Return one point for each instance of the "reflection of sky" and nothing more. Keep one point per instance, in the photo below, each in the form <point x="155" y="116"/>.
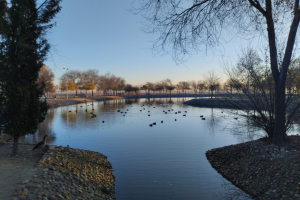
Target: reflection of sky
<point x="166" y="161"/>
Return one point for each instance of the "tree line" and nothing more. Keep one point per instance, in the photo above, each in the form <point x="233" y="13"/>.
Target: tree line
<point x="91" y="80"/>
<point x="108" y="83"/>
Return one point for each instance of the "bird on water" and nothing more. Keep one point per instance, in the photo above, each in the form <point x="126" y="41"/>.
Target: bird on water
<point x="41" y="144"/>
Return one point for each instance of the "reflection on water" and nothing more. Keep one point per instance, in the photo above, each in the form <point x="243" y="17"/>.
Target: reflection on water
<point x="165" y="161"/>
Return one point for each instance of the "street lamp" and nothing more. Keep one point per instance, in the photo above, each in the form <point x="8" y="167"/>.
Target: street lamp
<point x="66" y="81"/>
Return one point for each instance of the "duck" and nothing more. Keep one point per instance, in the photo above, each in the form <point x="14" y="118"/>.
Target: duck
<point x="40" y="145"/>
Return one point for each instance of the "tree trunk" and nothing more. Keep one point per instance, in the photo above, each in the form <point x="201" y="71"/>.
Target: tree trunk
<point x="92" y="93"/>
<point x="15" y="146"/>
<point x="279" y="134"/>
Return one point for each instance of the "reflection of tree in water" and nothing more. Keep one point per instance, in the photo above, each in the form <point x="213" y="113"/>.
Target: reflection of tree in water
<point x="213" y="121"/>
<point x="242" y="126"/>
<point x="231" y="192"/>
<point x="170" y="101"/>
<point x="131" y="101"/>
<point x="44" y="128"/>
<point x="103" y="110"/>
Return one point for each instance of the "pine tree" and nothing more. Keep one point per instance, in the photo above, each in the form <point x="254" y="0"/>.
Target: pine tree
<point x="23" y="49"/>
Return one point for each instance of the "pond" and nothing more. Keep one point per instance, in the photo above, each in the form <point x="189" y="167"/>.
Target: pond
<point x="162" y="161"/>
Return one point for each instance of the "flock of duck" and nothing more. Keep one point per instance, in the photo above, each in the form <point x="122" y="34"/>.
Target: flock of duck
<point x="93" y="115"/>
<point x="165" y="111"/>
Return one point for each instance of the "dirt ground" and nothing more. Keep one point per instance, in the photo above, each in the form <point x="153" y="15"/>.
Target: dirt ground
<point x="15" y="170"/>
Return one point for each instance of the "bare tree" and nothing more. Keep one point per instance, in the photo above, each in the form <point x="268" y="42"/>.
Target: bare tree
<point x="168" y="85"/>
<point x="255" y="90"/>
<point x="132" y="89"/>
<point x="90" y="79"/>
<point x="201" y="86"/>
<point x="188" y="25"/>
<point x="213" y="82"/>
<point x="120" y="82"/>
<point x="194" y="86"/>
<point x="183" y="85"/>
<point x="229" y="84"/>
<point x="150" y="86"/>
<point x="159" y="86"/>
<point x="107" y="82"/>
<point x="75" y="77"/>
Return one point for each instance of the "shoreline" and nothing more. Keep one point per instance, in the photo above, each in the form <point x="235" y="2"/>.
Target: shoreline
<point x="67" y="173"/>
<point x="259" y="168"/>
<point x="60" y="173"/>
<point x="216" y="103"/>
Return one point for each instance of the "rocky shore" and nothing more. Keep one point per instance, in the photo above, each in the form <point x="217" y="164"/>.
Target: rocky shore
<point x="261" y="169"/>
<point x="66" y="173"/>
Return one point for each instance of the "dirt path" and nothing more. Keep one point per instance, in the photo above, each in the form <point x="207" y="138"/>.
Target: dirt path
<point x="15" y="170"/>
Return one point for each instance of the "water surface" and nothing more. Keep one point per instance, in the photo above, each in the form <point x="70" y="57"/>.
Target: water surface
<point x="165" y="161"/>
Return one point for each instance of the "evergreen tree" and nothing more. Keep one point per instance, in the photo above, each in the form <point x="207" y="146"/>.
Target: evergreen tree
<point x="23" y="48"/>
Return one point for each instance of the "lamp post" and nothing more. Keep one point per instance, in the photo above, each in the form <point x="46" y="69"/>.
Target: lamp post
<point x="66" y="81"/>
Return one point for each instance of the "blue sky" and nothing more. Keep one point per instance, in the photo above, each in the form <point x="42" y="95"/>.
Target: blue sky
<point x="105" y="35"/>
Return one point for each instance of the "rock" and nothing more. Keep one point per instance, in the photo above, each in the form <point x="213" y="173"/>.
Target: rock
<point x="66" y="173"/>
<point x="267" y="173"/>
